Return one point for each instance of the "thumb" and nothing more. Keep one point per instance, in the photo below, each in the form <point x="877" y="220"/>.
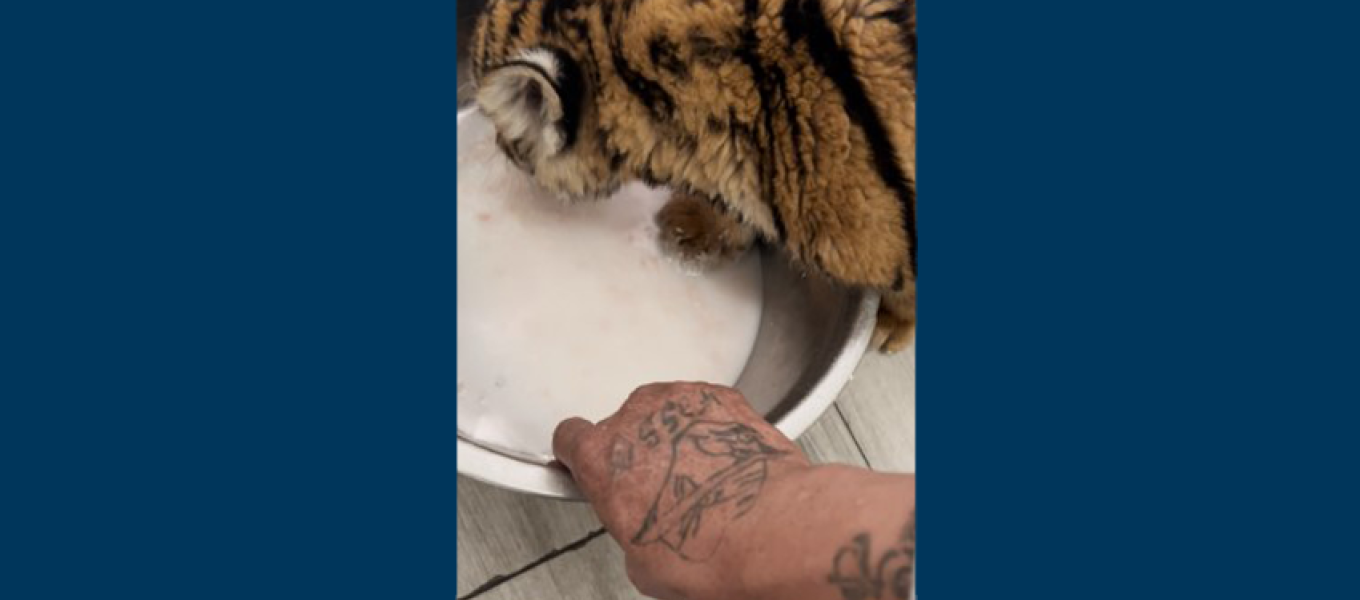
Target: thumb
<point x="567" y="440"/>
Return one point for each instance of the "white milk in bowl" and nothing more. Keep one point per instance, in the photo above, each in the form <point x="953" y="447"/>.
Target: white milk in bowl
<point x="563" y="310"/>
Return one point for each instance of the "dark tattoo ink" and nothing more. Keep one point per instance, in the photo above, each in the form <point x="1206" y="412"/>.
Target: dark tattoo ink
<point x="669" y="420"/>
<point x="620" y="456"/>
<point x="888" y="579"/>
<point x="647" y="433"/>
<point x="716" y="472"/>
<point x="670" y="416"/>
<point x="707" y="399"/>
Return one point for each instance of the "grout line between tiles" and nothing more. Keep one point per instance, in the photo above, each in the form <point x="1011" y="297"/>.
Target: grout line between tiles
<point x="496" y="581"/>
<point x="853" y="437"/>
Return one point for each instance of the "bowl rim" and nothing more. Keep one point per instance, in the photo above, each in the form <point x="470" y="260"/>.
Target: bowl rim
<point x="551" y="481"/>
<point x="502" y="471"/>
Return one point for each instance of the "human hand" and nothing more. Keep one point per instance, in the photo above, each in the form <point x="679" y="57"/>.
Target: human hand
<point x="678" y="477"/>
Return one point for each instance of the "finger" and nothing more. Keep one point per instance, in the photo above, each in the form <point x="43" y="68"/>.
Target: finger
<point x="567" y="438"/>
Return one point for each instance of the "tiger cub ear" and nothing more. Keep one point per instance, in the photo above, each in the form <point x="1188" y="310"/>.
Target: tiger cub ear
<point x="534" y="101"/>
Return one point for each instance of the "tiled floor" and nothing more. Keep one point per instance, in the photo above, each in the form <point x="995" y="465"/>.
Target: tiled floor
<point x="514" y="547"/>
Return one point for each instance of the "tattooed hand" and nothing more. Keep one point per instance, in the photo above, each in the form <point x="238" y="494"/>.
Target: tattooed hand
<point x="673" y="471"/>
<point x="710" y="502"/>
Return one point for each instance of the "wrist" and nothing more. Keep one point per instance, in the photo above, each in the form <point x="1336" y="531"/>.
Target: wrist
<point x="808" y="518"/>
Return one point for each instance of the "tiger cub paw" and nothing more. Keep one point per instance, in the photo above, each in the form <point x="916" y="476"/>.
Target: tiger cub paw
<point x="893" y="332"/>
<point x="700" y="235"/>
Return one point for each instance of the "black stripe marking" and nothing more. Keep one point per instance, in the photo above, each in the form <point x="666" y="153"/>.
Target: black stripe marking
<point x="746" y="52"/>
<point x="791" y="15"/>
<point x="706" y="50"/>
<point x="571" y="90"/>
<point x="795" y="135"/>
<point x="560" y="16"/>
<point x="647" y="175"/>
<point x="835" y="64"/>
<point x="615" y="160"/>
<point x="666" y="56"/>
<point x="743" y="139"/>
<point x="516" y="19"/>
<point x="552" y="13"/>
<point x="686" y="143"/>
<point x="648" y="92"/>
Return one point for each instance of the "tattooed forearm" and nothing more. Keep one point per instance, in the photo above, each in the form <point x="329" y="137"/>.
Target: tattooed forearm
<point x="860" y="577"/>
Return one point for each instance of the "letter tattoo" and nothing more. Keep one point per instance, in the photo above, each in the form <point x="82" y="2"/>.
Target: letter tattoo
<point x="888" y="579"/>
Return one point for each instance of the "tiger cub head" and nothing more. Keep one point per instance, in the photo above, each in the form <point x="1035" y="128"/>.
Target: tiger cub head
<point x="530" y="84"/>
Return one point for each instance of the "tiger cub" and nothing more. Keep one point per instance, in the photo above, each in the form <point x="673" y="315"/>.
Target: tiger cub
<point x="789" y="121"/>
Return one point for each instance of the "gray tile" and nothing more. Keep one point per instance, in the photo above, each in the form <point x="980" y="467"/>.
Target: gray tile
<point x="879" y="406"/>
<point x="594" y="572"/>
<point x="501" y="531"/>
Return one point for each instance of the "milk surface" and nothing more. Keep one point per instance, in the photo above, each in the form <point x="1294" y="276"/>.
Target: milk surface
<point x="563" y="310"/>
